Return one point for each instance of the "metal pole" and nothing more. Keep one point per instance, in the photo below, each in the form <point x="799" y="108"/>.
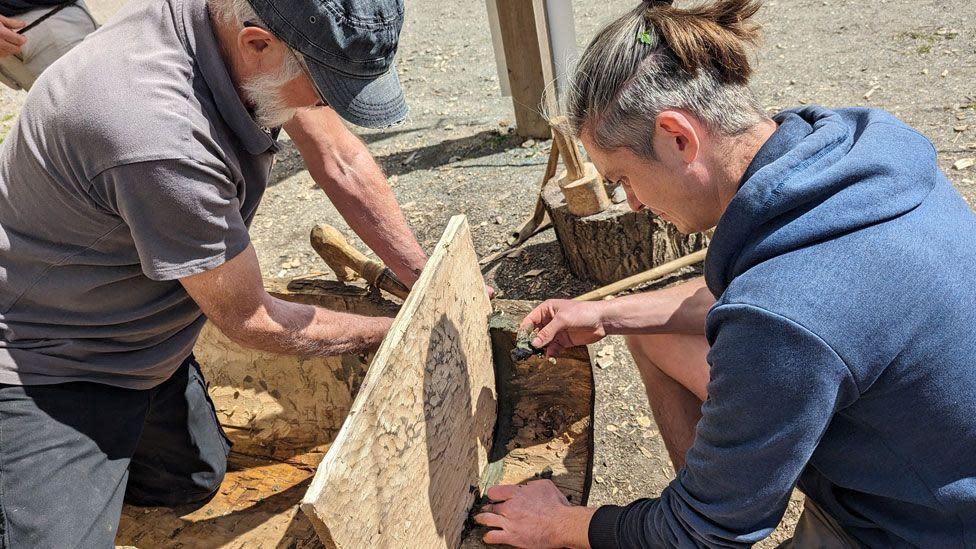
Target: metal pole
<point x="562" y="41"/>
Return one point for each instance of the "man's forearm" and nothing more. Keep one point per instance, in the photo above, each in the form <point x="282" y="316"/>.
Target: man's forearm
<point x="680" y="309"/>
<point x="284" y="327"/>
<point x="340" y="163"/>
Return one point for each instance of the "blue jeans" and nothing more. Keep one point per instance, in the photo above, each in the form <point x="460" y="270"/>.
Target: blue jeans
<point x="71" y="453"/>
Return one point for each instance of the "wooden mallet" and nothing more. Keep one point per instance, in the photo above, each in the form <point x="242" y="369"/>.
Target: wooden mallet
<point x="348" y="263"/>
<point x="580" y="183"/>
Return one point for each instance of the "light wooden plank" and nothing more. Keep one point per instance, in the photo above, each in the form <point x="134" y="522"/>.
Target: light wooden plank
<point x="525" y="37"/>
<point x="402" y="470"/>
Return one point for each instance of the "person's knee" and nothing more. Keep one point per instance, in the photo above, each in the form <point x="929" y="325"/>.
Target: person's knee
<point x="649" y="350"/>
<point x="55" y="36"/>
<point x="195" y="499"/>
<point x="202" y="486"/>
<point x="183" y="493"/>
<point x="206" y="486"/>
<point x="678" y="357"/>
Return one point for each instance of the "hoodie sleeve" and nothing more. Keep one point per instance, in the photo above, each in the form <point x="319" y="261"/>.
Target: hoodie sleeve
<point x="774" y="388"/>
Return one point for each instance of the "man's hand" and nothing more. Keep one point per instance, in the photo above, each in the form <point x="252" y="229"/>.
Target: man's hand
<point x="534" y="515"/>
<point x="10" y="41"/>
<point x="563" y="323"/>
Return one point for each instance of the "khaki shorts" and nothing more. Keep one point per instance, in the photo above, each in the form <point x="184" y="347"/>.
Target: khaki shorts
<point x="46" y="43"/>
<point x="818" y="530"/>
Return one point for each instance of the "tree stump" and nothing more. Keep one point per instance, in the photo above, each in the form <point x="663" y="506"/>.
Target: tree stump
<point x="617" y="242"/>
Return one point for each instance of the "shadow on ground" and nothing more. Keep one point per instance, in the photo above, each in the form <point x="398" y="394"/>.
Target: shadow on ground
<point x="426" y="157"/>
<point x="516" y="276"/>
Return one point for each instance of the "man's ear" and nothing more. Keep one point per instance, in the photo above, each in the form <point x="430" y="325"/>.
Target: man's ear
<point x="254" y="43"/>
<point x="676" y="137"/>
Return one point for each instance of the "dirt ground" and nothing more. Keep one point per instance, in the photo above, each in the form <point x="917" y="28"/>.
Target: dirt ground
<point x="456" y="154"/>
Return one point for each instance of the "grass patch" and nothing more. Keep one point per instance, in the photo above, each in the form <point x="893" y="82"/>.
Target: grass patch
<point x="918" y="35"/>
<point x="925" y="40"/>
<point x="499" y="139"/>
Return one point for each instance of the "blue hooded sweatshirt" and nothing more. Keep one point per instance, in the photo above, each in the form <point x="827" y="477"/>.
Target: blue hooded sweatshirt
<point x="843" y="349"/>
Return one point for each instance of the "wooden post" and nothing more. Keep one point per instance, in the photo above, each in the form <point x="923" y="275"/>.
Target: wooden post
<point x="525" y="36"/>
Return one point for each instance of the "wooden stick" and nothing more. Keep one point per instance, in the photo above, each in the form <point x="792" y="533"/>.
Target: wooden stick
<point x="647" y="276"/>
<point x="539" y="221"/>
<point x="538" y="216"/>
<point x="546" y="224"/>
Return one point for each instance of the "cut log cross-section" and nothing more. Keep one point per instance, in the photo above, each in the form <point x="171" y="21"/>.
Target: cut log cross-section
<point x="405" y="467"/>
<point x="617" y="242"/>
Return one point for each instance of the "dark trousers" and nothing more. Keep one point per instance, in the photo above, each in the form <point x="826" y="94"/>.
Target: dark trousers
<point x="71" y="453"/>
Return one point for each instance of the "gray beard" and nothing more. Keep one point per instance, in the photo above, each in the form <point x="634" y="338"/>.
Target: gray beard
<point x="264" y="94"/>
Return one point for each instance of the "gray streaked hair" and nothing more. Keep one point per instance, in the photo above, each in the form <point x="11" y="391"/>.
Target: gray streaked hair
<point x="658" y="57"/>
<point x="234" y="13"/>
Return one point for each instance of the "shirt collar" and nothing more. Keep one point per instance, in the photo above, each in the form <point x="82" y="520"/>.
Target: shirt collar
<point x="203" y="45"/>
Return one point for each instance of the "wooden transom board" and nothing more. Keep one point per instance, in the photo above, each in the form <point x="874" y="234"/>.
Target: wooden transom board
<point x="404" y="469"/>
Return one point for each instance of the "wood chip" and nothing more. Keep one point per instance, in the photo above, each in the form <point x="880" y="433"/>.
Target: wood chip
<point x="964" y="163"/>
<point x="644" y="421"/>
<point x="871" y="92"/>
<point x="604" y="362"/>
<point x="534" y="273"/>
<point x="960" y="128"/>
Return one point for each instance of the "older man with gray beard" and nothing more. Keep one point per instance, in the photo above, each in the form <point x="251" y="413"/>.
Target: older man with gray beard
<point x="126" y="190"/>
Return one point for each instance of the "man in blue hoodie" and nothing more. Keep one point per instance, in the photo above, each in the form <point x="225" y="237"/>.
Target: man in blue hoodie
<point x="828" y="347"/>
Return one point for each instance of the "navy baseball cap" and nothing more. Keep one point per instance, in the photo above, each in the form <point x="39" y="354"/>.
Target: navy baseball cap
<point x="348" y="46"/>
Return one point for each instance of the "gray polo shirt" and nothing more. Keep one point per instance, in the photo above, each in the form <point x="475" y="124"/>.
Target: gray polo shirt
<point x="133" y="163"/>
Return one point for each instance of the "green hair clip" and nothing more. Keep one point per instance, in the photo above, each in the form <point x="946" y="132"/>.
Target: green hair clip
<point x="644" y="37"/>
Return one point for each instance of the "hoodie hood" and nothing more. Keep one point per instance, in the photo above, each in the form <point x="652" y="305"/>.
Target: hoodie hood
<point x="822" y="174"/>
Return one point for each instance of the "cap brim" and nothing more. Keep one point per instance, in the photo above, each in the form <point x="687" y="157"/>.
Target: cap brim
<point x="368" y="102"/>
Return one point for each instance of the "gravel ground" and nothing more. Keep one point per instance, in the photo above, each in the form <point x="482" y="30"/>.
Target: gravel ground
<point x="456" y="154"/>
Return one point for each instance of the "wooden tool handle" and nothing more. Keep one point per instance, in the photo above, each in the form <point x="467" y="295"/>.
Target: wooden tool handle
<point x="568" y="148"/>
<point x="348" y="263"/>
<point x="640" y="278"/>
